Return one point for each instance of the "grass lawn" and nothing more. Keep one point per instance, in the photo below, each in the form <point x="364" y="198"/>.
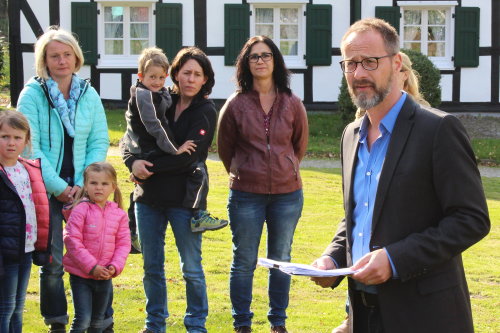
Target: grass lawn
<point x="312" y="309"/>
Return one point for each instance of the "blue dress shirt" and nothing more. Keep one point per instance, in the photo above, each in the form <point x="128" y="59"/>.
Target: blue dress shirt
<point x="367" y="173"/>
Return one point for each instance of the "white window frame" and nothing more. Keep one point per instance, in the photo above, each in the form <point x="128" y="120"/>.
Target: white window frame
<point x="442" y="63"/>
<point x="296" y="61"/>
<point x="122" y="61"/>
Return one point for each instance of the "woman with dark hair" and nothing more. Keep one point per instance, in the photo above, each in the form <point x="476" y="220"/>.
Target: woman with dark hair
<point x="262" y="138"/>
<point x="161" y="189"/>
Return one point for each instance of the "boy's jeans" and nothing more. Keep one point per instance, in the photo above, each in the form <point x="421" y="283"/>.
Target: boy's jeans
<point x="152" y="225"/>
<point x="247" y="214"/>
<point x="90" y="298"/>
<point x="13" y="287"/>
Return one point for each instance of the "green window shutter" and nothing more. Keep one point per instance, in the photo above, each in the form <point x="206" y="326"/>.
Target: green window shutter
<point x="319" y="35"/>
<point x="357" y="10"/>
<point x="236" y="30"/>
<point x="169" y="28"/>
<point x="84" y="25"/>
<point x="389" y="14"/>
<point x="466" y="36"/>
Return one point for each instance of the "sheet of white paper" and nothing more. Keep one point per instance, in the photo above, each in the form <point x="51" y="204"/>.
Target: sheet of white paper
<point x="301" y="269"/>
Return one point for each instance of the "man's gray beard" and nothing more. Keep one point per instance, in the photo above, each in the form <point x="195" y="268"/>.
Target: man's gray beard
<point x="364" y="102"/>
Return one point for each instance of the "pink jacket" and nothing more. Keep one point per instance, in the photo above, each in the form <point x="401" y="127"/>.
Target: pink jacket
<point x="96" y="236"/>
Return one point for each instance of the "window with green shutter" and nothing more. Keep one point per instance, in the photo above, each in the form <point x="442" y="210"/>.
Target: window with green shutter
<point x="169" y="28"/>
<point x="84" y="25"/>
<point x="236" y="30"/>
<point x="466" y="37"/>
<point x="319" y="35"/>
<point x="389" y="14"/>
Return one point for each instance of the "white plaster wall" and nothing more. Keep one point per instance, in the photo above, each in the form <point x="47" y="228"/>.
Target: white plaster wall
<point x="297" y="85"/>
<point x="476" y="83"/>
<point x="326" y="82"/>
<point x="215" y="21"/>
<point x="340" y="20"/>
<point x="187" y="21"/>
<point x="485" y="19"/>
<point x="368" y="7"/>
<point x="224" y="78"/>
<point x="84" y="72"/>
<point x="39" y="7"/>
<point x="29" y="66"/>
<point x="446" y="84"/>
<point x="111" y="86"/>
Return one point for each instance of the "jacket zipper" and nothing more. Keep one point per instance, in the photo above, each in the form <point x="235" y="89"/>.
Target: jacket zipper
<point x="103" y="233"/>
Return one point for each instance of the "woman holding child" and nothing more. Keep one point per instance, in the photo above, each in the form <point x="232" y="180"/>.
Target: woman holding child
<point x="69" y="132"/>
<point x="262" y="138"/>
<point x="162" y="187"/>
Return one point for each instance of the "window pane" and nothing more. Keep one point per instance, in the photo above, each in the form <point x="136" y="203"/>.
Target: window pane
<point x="139" y="14"/>
<point x="113" y="47"/>
<point x="412" y="17"/>
<point x="288" y="47"/>
<point x="289" y="31"/>
<point x="139" y="30"/>
<point x="113" y="14"/>
<point x="436" y="33"/>
<point x="412" y="33"/>
<point x="412" y="46"/>
<point x="264" y="15"/>
<point x="436" y="50"/>
<point x="136" y="46"/>
<point x="289" y="15"/>
<point x="265" y="30"/>
<point x="437" y="16"/>
<point x="113" y="30"/>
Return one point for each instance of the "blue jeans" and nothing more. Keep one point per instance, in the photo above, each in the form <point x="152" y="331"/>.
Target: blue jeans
<point x="53" y="304"/>
<point x="247" y="214"/>
<point x="13" y="286"/>
<point x="152" y="225"/>
<point x="90" y="298"/>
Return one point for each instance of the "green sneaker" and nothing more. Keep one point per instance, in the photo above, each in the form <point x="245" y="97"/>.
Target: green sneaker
<point x="205" y="222"/>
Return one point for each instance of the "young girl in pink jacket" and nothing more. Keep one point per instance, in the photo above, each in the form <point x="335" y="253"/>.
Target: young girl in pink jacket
<point x="97" y="240"/>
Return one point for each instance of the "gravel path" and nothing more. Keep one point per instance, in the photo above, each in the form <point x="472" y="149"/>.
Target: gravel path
<point x="331" y="163"/>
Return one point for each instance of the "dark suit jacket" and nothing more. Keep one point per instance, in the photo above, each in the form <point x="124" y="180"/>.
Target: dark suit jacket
<point x="430" y="207"/>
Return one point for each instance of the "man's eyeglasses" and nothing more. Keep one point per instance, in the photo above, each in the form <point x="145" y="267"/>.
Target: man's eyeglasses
<point x="370" y="64"/>
<point x="265" y="56"/>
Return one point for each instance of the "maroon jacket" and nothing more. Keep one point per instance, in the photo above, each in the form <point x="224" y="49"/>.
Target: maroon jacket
<point x="253" y="164"/>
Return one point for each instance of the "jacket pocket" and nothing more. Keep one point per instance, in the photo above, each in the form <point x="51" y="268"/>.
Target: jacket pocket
<point x="294" y="166"/>
<point x="437" y="282"/>
<point x="236" y="164"/>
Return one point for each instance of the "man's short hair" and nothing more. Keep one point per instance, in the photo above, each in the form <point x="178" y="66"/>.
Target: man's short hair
<point x="387" y="31"/>
<point x="152" y="56"/>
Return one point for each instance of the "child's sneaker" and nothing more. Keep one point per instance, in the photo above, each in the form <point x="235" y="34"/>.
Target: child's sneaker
<point x="135" y="247"/>
<point x="205" y="221"/>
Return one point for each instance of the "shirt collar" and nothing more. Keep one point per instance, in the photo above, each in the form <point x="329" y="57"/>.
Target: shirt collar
<point x="387" y="123"/>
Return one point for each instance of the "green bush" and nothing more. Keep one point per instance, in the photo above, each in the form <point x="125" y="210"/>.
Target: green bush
<point x="346" y="107"/>
<point x="429" y="86"/>
<point x="429" y="76"/>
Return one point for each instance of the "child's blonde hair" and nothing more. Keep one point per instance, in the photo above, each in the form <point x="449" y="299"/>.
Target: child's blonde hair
<point x="17" y="120"/>
<point x="152" y="56"/>
<point x="99" y="167"/>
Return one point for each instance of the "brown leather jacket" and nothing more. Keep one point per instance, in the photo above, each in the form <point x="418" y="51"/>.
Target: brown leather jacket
<point x="254" y="164"/>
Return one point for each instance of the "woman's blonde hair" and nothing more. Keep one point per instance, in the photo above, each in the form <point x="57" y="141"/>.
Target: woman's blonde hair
<point x="411" y="85"/>
<point x="17" y="120"/>
<point x="99" y="167"/>
<point x="57" y="34"/>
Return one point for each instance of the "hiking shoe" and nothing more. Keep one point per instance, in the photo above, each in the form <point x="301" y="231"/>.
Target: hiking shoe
<point x="278" y="329"/>
<point x="243" y="329"/>
<point x="205" y="221"/>
<point x="135" y="245"/>
<point x="57" y="328"/>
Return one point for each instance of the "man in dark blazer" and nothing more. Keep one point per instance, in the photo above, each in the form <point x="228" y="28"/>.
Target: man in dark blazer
<point x="413" y="199"/>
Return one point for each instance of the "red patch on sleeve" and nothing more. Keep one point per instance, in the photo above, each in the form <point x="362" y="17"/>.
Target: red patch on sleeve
<point x="202" y="132"/>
